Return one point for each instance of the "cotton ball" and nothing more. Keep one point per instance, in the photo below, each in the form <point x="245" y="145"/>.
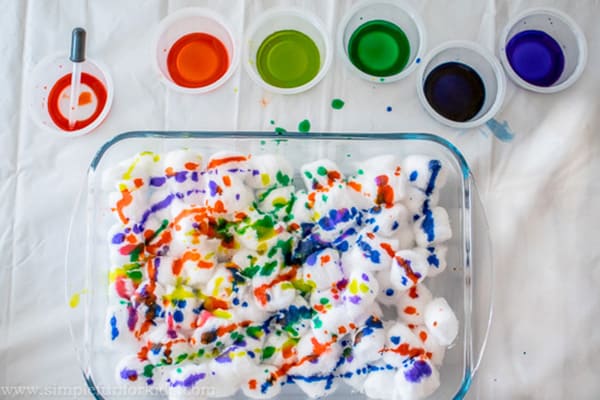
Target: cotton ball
<point x="128" y="207"/>
<point x="300" y="210"/>
<point x="409" y="268"/>
<point x="220" y="286"/>
<point x="436" y="258"/>
<point x="260" y="232"/>
<point x="417" y="380"/>
<point x="360" y="293"/>
<point x="226" y="194"/>
<point x="225" y="382"/>
<point x="432" y="227"/>
<point x="166" y="346"/>
<point x="388" y="294"/>
<point x="206" y="334"/>
<point x="198" y="267"/>
<point x="162" y="270"/>
<point x="240" y="358"/>
<point x="401" y="344"/>
<point x="370" y="253"/>
<point x="182" y="170"/>
<point x="116" y="329"/>
<point x="163" y="205"/>
<point x="319" y="356"/>
<point x="132" y="174"/>
<point x="295" y="320"/>
<point x="388" y="221"/>
<point x="368" y="340"/>
<point x="190" y="381"/>
<point x="321" y="174"/>
<point x="330" y="312"/>
<point x="262" y="383"/>
<point x="441" y="321"/>
<point x="317" y="386"/>
<point x="272" y="295"/>
<point x="246" y="307"/>
<point x="411" y="304"/>
<point x="121" y="288"/>
<point x="323" y="269"/>
<point x="278" y="201"/>
<point x="434" y="351"/>
<point x="321" y="202"/>
<point x="379" y="385"/>
<point x="182" y="313"/>
<point x="147" y="301"/>
<point x="380" y="180"/>
<point x="268" y="170"/>
<point x="279" y="349"/>
<point x="425" y="173"/>
<point x="130" y="370"/>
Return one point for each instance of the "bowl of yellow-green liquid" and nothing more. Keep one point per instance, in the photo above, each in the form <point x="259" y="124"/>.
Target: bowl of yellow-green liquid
<point x="382" y="41"/>
<point x="287" y="51"/>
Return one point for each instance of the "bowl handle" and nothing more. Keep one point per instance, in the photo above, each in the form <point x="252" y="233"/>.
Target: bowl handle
<point x="76" y="292"/>
<point x="482" y="277"/>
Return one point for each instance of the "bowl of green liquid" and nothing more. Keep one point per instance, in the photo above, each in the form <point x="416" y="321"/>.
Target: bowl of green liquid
<point x="382" y="41"/>
<point x="287" y="51"/>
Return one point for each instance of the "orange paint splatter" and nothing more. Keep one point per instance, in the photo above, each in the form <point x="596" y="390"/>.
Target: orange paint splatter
<point x="85" y="98"/>
<point x="190" y="166"/>
<point x="410" y="310"/>
<point x="388" y="249"/>
<point x="126" y="199"/>
<point x="261" y="292"/>
<point x="357" y="187"/>
<point x="221" y="161"/>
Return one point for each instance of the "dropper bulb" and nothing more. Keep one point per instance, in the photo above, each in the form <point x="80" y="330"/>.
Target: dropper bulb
<point x="78" y="45"/>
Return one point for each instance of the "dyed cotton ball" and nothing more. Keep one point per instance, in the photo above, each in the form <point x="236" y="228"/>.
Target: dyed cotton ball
<point x="411" y="304"/>
<point x="166" y="346"/>
<point x="162" y="270"/>
<point x="409" y="268"/>
<point x="368" y="340"/>
<point x="321" y="356"/>
<point x="380" y="385"/>
<point x="388" y="294"/>
<point x="406" y="238"/>
<point x="317" y="386"/>
<point x="330" y="314"/>
<point x="262" y="383"/>
<point x="260" y="232"/>
<point x="269" y="170"/>
<point x="323" y="269"/>
<point x="401" y="345"/>
<point x="380" y="180"/>
<point x="441" y="321"/>
<point x="425" y="173"/>
<point x="360" y="293"/>
<point x="279" y="349"/>
<point x="436" y="258"/>
<point x="208" y="335"/>
<point x="295" y="320"/>
<point x="370" y="253"/>
<point x="433" y="350"/>
<point x="189" y="380"/>
<point x="132" y="174"/>
<point x="225" y="382"/>
<point x="181" y="312"/>
<point x="417" y="380"/>
<point x="278" y="200"/>
<point x="183" y="171"/>
<point x="198" y="267"/>
<point x="130" y="370"/>
<point x="226" y="194"/>
<point x="388" y="221"/>
<point x="301" y="210"/>
<point x="147" y="302"/>
<point x="321" y="174"/>
<point x="432" y="227"/>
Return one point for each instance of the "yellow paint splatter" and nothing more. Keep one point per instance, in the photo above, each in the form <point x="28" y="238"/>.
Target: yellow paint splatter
<point x="76" y="298"/>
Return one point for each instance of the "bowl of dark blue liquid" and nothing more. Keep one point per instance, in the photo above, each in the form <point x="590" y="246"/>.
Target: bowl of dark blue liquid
<point x="461" y="84"/>
<point x="543" y="50"/>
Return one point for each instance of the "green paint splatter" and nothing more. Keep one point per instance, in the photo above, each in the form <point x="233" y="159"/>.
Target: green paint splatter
<point x="263" y="142"/>
<point x="279" y="130"/>
<point x="324" y="300"/>
<point x="268" y="268"/>
<point x="337" y="104"/>
<point x="308" y="174"/>
<point x="361" y="172"/>
<point x="304" y="126"/>
<point x="272" y="122"/>
<point x="149" y="371"/>
<point x="322" y="171"/>
<point x="318" y="323"/>
<point x="249" y="272"/>
<point x="268" y="352"/>
<point x="254" y="332"/>
<point x="283" y="179"/>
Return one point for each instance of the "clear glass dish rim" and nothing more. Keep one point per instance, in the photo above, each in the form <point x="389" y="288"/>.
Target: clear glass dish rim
<point x="471" y="364"/>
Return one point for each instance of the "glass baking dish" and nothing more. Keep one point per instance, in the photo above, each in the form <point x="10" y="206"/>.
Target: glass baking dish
<point x="466" y="284"/>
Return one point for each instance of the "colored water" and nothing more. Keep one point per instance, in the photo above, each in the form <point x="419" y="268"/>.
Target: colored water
<point x="91" y="102"/>
<point x="379" y="48"/>
<point x="536" y="57"/>
<point x="288" y="59"/>
<point x="455" y="91"/>
<point x="197" y="59"/>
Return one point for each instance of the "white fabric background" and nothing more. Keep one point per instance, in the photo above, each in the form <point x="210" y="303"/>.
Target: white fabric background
<point x="541" y="190"/>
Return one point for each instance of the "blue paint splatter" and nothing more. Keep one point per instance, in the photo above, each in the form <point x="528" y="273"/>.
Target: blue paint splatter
<point x="428" y="223"/>
<point x="500" y="129"/>
<point x="420" y="370"/>
<point x="114" y="332"/>
<point x="413" y="176"/>
<point x="434" y="168"/>
<point x="189" y="381"/>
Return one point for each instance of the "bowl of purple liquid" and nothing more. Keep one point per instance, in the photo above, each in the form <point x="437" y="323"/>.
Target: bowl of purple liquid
<point x="543" y="50"/>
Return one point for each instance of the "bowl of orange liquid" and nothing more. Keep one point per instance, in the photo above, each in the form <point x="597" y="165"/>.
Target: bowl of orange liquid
<point x="195" y="50"/>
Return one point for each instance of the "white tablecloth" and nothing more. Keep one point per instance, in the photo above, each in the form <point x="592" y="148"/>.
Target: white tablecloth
<point x="540" y="190"/>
